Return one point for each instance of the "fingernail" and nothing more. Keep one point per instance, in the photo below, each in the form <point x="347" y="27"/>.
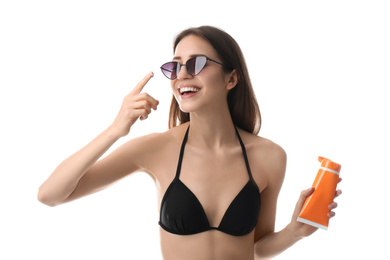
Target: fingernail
<point x="152" y="74"/>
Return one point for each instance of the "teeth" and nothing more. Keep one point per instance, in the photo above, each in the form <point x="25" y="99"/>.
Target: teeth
<point x="186" y="89"/>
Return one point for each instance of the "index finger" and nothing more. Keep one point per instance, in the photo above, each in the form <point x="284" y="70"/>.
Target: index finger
<point x="142" y="84"/>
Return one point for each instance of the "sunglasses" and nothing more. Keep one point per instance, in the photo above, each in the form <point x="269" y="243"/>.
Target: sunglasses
<point x="194" y="66"/>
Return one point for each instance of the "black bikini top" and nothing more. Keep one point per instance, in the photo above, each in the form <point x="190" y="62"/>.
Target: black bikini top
<point x="182" y="214"/>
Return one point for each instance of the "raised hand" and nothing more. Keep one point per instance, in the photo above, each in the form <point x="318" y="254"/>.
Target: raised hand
<point x="135" y="105"/>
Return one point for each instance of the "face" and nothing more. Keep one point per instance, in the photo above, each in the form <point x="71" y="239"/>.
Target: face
<point x="207" y="90"/>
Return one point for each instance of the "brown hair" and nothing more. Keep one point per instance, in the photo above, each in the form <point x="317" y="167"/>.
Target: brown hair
<point x="242" y="102"/>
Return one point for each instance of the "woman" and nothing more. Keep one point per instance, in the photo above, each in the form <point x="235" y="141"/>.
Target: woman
<point x="217" y="181"/>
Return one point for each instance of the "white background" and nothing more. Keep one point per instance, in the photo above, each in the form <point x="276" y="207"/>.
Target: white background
<point x="320" y="70"/>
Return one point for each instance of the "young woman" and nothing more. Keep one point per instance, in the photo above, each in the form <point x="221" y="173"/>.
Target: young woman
<point x="217" y="181"/>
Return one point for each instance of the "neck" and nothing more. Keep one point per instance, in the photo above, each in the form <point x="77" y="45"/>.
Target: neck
<point x="212" y="129"/>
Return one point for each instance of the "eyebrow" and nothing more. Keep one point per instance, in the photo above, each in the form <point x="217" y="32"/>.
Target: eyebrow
<point x="191" y="56"/>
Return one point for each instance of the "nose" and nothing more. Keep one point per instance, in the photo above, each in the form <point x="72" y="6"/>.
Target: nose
<point x="182" y="72"/>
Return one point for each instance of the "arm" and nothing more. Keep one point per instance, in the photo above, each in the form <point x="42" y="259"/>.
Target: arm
<point x="81" y="174"/>
<point x="273" y="167"/>
<point x="65" y="178"/>
<point x="275" y="243"/>
<point x="268" y="243"/>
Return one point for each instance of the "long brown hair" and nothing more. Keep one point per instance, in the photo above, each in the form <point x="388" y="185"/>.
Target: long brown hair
<point x="242" y="102"/>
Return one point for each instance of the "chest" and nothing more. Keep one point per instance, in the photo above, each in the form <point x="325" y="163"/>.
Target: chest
<point x="213" y="180"/>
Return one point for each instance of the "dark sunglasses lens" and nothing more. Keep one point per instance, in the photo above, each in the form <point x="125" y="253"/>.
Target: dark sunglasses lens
<point x="169" y="69"/>
<point x="195" y="65"/>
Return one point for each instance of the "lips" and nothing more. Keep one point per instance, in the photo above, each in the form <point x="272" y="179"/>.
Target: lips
<point x="187" y="91"/>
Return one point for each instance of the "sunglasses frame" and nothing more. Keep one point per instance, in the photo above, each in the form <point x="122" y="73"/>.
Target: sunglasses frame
<point x="185" y="64"/>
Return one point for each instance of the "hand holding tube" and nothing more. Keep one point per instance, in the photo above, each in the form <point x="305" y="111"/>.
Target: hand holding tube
<point x="315" y="211"/>
<point x="301" y="230"/>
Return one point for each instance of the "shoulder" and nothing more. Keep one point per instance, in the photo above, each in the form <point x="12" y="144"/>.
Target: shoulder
<point x="267" y="158"/>
<point x="153" y="152"/>
<point x="263" y="148"/>
<point x="157" y="141"/>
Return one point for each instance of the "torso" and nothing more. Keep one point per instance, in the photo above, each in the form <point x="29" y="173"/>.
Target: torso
<point x="215" y="179"/>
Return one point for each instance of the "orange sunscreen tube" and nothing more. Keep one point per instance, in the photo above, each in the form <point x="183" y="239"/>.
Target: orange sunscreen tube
<point x="315" y="210"/>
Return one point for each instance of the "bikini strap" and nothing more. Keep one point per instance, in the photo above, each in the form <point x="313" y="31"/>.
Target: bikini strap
<point x="181" y="153"/>
<point x="184" y="144"/>
<point x="244" y="153"/>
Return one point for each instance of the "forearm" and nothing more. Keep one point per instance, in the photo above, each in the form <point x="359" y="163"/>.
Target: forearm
<point x="62" y="182"/>
<point x="65" y="178"/>
<point x="275" y="243"/>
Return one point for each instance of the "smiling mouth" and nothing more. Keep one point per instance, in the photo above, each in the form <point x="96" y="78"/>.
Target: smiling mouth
<point x="188" y="90"/>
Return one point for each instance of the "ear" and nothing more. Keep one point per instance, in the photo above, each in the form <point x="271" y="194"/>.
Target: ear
<point x="232" y="80"/>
